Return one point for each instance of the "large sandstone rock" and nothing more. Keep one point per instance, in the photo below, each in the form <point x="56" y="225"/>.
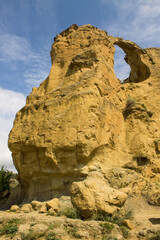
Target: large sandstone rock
<point x="70" y="116"/>
<point x="93" y="195"/>
<point x="82" y="119"/>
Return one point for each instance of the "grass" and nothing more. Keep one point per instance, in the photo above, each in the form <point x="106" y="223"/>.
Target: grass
<point x="130" y="102"/>
<point x="100" y="217"/>
<point x="10" y="228"/>
<point x="51" y="214"/>
<point x="73" y="231"/>
<point x="110" y="238"/>
<point x="69" y="213"/>
<point x="128" y="214"/>
<point x="156" y="141"/>
<point x="51" y="236"/>
<point x="117" y="218"/>
<point x="32" y="235"/>
<point x="14" y="221"/>
<point x="125" y="231"/>
<point x="53" y="226"/>
<point x="107" y="227"/>
<point x="155" y="236"/>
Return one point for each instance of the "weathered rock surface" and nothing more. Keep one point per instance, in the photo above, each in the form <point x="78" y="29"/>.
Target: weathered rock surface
<point x="93" y="195"/>
<point x="36" y="205"/>
<point x="14" y="208"/>
<point x="54" y="204"/>
<point x="82" y="123"/>
<point x="26" y="208"/>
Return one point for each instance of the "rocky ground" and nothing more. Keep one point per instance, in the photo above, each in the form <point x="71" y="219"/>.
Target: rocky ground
<point x="85" y="134"/>
<point x="55" y="220"/>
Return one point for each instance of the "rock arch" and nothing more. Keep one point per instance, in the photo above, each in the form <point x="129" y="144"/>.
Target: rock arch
<point x="137" y="58"/>
<point x="121" y="68"/>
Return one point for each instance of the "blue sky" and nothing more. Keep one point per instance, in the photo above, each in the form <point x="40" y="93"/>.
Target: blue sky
<point x="27" y="30"/>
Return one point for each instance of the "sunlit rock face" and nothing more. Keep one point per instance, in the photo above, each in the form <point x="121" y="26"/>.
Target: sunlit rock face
<point x="74" y="123"/>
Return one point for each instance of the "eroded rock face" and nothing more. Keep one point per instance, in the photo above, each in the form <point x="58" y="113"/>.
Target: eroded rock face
<point x="94" y="195"/>
<point x="73" y="113"/>
<point x="78" y="121"/>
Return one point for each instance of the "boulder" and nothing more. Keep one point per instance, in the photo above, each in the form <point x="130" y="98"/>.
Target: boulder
<point x="54" y="204"/>
<point x="14" y="208"/>
<point x="26" y="208"/>
<point x="94" y="195"/>
<point x="36" y="205"/>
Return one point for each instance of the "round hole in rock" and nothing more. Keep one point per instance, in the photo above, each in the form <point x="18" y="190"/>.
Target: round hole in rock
<point x="121" y="68"/>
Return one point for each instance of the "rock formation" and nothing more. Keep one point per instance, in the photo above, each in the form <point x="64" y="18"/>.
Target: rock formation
<point x="84" y="133"/>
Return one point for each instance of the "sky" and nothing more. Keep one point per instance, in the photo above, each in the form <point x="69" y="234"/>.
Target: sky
<point x="27" y="30"/>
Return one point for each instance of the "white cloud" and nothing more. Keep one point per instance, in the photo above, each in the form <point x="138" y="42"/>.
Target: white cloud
<point x="148" y="11"/>
<point x="40" y="68"/>
<point x="10" y="103"/>
<point x="14" y="49"/>
<point x="35" y="77"/>
<point x="136" y="20"/>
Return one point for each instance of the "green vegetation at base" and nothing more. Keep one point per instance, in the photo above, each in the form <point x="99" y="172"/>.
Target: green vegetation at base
<point x="10" y="228"/>
<point x="125" y="231"/>
<point x="51" y="236"/>
<point x="69" y="213"/>
<point x="155" y="236"/>
<point x="5" y="176"/>
<point x="72" y="231"/>
<point x="117" y="218"/>
<point x="107" y="227"/>
<point x="31" y="235"/>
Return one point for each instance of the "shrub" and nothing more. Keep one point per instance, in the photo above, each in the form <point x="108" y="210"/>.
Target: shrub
<point x="107" y="227"/>
<point x="32" y="235"/>
<point x="100" y="217"/>
<point x="53" y="226"/>
<point x="69" y="213"/>
<point x="155" y="236"/>
<point x="156" y="141"/>
<point x="9" y="229"/>
<point x="51" y="236"/>
<point x="14" y="221"/>
<point x="124" y="231"/>
<point x="110" y="238"/>
<point x="73" y="231"/>
<point x="118" y="219"/>
<point x="128" y="214"/>
<point x="5" y="176"/>
<point x="130" y="102"/>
